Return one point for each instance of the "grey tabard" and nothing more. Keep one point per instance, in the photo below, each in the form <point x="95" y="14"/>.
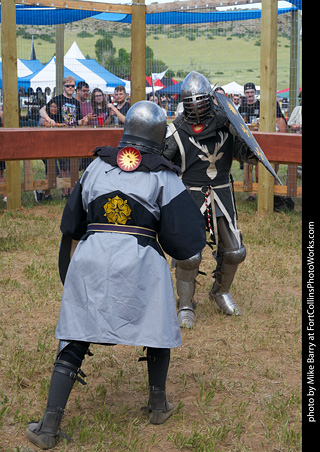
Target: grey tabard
<point x="118" y="288"/>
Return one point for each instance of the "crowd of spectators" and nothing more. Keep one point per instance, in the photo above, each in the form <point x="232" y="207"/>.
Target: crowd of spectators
<point x="77" y="106"/>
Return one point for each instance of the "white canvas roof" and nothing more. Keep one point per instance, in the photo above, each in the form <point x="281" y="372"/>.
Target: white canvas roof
<point x="74" y="52"/>
<point x="46" y="77"/>
<point x="233" y="88"/>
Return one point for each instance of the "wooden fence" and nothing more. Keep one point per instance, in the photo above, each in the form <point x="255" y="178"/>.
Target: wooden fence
<point x="29" y="144"/>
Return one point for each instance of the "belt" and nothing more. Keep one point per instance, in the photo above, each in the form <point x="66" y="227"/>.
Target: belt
<point x="121" y="229"/>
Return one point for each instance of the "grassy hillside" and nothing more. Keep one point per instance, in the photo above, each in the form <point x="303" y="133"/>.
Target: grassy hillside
<point x="224" y="54"/>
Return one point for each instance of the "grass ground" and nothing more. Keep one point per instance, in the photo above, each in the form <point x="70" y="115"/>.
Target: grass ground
<point x="235" y="382"/>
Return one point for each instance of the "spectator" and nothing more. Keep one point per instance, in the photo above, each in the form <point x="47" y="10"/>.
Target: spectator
<point x="119" y="108"/>
<point x="220" y="90"/>
<point x="53" y="114"/>
<point x="164" y="101"/>
<point x="69" y="113"/>
<point x="156" y="100"/>
<point x="236" y="99"/>
<point x="250" y="111"/>
<point x="82" y="93"/>
<point x="33" y="116"/>
<point x="99" y="107"/>
<point x="295" y="120"/>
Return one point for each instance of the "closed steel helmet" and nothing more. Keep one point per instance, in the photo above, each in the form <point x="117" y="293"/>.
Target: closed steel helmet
<point x="196" y="97"/>
<point x="145" y="128"/>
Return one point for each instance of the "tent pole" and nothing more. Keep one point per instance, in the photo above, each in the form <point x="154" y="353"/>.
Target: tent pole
<point x="59" y="58"/>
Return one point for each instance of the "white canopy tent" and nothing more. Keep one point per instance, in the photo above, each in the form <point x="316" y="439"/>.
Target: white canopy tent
<point x="45" y="77"/>
<point x="233" y="88"/>
<point x="26" y="67"/>
<point x="89" y="70"/>
<point x="94" y="74"/>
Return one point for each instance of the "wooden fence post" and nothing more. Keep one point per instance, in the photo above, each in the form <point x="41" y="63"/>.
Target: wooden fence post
<point x="138" y="52"/>
<point x="10" y="95"/>
<point x="268" y="94"/>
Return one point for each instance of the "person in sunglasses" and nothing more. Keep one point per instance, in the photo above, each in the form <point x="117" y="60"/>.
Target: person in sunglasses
<point x="69" y="108"/>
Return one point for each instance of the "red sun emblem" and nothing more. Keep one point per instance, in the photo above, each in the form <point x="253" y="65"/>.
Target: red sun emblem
<point x="197" y="128"/>
<point x="128" y="159"/>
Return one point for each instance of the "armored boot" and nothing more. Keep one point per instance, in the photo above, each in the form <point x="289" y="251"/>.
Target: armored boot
<point x="230" y="253"/>
<point x="224" y="275"/>
<point x="158" y="406"/>
<point x="46" y="432"/>
<point x="186" y="273"/>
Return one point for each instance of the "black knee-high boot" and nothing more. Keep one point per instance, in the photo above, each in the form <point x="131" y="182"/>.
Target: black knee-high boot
<point x="158" y="363"/>
<point x="45" y="433"/>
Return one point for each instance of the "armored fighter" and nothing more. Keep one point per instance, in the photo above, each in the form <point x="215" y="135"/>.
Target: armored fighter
<point x="128" y="207"/>
<point x="203" y="143"/>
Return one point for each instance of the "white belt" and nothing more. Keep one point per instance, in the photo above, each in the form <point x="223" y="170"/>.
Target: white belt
<point x="209" y="194"/>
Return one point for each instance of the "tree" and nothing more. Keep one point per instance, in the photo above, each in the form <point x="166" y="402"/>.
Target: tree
<point x="104" y="50"/>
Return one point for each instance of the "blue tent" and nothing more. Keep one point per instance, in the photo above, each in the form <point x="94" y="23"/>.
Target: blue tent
<point x="32" y="65"/>
<point x="173" y="89"/>
<point x="45" y="77"/>
<point x="93" y="73"/>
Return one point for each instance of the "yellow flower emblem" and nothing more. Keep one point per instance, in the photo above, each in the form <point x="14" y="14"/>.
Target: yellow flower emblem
<point x="117" y="210"/>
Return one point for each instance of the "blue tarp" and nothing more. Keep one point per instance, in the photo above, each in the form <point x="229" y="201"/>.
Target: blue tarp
<point x="40" y="15"/>
<point x="111" y="79"/>
<point x="173" y="89"/>
<point x="33" y="65"/>
<point x="181" y="17"/>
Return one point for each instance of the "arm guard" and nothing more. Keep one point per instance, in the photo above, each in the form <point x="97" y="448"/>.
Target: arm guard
<point x="242" y="153"/>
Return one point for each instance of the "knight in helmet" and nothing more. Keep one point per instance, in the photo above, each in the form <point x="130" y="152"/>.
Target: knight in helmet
<point x="128" y="209"/>
<point x="203" y="143"/>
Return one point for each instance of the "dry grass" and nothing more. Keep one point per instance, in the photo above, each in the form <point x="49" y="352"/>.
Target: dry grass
<point x="235" y="382"/>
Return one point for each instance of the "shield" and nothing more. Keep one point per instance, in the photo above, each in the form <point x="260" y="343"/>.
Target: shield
<point x="244" y="132"/>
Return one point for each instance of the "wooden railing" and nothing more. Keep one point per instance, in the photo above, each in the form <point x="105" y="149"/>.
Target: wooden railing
<point x="29" y="144"/>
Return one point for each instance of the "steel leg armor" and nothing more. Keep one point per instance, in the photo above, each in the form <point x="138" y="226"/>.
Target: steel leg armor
<point x="186" y="273"/>
<point x="229" y="256"/>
